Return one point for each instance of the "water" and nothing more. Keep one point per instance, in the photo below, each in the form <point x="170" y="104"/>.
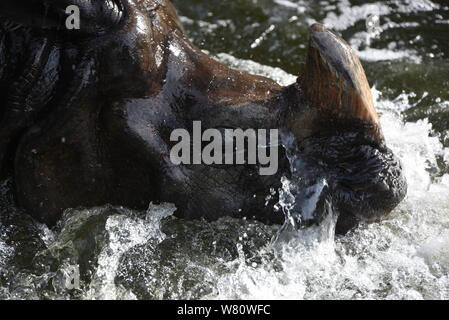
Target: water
<point x="123" y="254"/>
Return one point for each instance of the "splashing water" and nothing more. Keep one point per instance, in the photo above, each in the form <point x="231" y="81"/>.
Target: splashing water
<point x="124" y="232"/>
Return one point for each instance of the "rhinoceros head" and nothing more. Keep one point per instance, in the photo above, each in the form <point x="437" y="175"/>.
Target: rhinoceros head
<point x="88" y="115"/>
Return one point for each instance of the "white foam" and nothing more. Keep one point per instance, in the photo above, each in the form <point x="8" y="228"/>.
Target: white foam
<point x="125" y="232"/>
<point x="371" y="54"/>
<point x="350" y="15"/>
<point x="277" y="74"/>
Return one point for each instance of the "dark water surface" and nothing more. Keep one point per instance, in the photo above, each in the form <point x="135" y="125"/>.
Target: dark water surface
<point x="151" y="255"/>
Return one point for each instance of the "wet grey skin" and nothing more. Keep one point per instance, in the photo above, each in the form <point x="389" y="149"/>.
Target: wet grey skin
<point x="86" y="118"/>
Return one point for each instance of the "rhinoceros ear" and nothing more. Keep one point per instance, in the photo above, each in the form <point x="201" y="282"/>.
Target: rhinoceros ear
<point x="334" y="82"/>
<point x="96" y="17"/>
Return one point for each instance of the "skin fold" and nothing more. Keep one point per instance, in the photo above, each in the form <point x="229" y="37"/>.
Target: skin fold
<point x="86" y="117"/>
